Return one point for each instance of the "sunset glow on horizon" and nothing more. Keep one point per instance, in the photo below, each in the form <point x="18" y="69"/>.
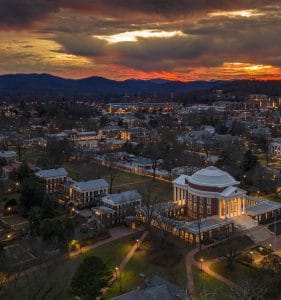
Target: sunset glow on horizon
<point x="139" y="39"/>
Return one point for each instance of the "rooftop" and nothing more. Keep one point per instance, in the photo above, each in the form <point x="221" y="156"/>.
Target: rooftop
<point x="180" y="180"/>
<point x="212" y="177"/>
<point x="59" y="172"/>
<point x="128" y="196"/>
<point x="155" y="288"/>
<point x="207" y="224"/>
<point x="262" y="207"/>
<point x="90" y="184"/>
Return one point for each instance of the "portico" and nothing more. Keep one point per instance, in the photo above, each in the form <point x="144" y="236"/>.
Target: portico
<point x="232" y="207"/>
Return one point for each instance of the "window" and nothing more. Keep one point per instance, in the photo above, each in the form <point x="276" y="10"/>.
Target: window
<point x="209" y="201"/>
<point x="208" y="210"/>
<point x="195" y="208"/>
<point x="201" y="209"/>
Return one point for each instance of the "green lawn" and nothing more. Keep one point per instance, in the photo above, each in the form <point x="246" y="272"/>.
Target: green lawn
<point x="219" y="250"/>
<point x="31" y="155"/>
<point x="144" y="262"/>
<point x="59" y="276"/>
<point x="237" y="275"/>
<point x="123" y="181"/>
<point x="207" y="287"/>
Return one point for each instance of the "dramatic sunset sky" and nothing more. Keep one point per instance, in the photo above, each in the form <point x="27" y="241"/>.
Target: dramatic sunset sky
<point x="119" y="39"/>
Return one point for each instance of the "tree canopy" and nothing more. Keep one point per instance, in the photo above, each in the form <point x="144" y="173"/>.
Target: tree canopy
<point x="91" y="276"/>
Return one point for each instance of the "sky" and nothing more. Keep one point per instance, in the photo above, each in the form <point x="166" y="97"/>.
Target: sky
<point x="120" y="39"/>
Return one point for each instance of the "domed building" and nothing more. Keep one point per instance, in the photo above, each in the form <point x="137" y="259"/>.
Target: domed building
<point x="210" y="192"/>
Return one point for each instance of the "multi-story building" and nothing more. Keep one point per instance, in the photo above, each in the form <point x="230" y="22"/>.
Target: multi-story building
<point x="124" y="204"/>
<point x="87" y="193"/>
<point x="213" y="192"/>
<point x="53" y="180"/>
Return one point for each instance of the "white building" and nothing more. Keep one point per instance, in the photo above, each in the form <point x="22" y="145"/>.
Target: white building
<point x="124" y="204"/>
<point x="53" y="179"/>
<point x="180" y="189"/>
<point x="86" y="193"/>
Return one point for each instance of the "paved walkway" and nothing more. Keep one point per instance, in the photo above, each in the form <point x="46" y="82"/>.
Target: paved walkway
<point x="116" y="233"/>
<point x="190" y="261"/>
<point x="125" y="261"/>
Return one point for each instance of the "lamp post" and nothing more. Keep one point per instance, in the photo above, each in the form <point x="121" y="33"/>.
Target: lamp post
<point x="251" y="253"/>
<point x="118" y="277"/>
<point x="201" y="264"/>
<point x="138" y="244"/>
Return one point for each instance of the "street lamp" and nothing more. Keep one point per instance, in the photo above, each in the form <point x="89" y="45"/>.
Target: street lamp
<point x="118" y="272"/>
<point x="251" y="253"/>
<point x="201" y="264"/>
<point x="138" y="244"/>
<point x="270" y="248"/>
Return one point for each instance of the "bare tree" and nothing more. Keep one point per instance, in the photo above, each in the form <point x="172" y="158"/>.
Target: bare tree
<point x="20" y="147"/>
<point x="149" y="207"/>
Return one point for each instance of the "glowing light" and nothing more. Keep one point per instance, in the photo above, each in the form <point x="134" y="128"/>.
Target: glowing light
<point x="133" y="36"/>
<point x="236" y="13"/>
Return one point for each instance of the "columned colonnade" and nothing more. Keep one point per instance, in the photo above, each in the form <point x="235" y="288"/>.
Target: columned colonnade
<point x="231" y="207"/>
<point x="179" y="195"/>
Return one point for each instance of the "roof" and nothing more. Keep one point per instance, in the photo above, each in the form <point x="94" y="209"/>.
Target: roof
<point x="213" y="177"/>
<point x="181" y="180"/>
<point x="155" y="288"/>
<point x="59" y="172"/>
<point x="231" y="191"/>
<point x="207" y="224"/>
<point x="128" y="196"/>
<point x="103" y="209"/>
<point x="90" y="184"/>
<point x="262" y="207"/>
<point x="7" y="154"/>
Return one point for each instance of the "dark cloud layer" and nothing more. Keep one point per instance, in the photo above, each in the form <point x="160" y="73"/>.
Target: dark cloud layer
<point x="21" y="13"/>
<point x="207" y="40"/>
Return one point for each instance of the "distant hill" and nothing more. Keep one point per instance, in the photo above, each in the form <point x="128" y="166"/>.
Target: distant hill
<point x="46" y="86"/>
<point x="36" y="85"/>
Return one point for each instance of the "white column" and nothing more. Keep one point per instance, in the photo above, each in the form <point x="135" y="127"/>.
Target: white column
<point x="174" y="195"/>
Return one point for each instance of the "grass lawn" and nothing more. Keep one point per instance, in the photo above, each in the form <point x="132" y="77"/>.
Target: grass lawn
<point x="59" y="275"/>
<point x="238" y="274"/>
<point x="31" y="155"/>
<point x="207" y="287"/>
<point x="144" y="261"/>
<point x="123" y="181"/>
<point x="219" y="250"/>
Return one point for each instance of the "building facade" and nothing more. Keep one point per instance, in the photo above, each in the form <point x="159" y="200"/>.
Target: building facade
<point x="53" y="180"/>
<point x="87" y="193"/>
<point x="124" y="204"/>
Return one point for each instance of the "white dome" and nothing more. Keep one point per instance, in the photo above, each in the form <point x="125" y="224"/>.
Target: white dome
<point x="213" y="177"/>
